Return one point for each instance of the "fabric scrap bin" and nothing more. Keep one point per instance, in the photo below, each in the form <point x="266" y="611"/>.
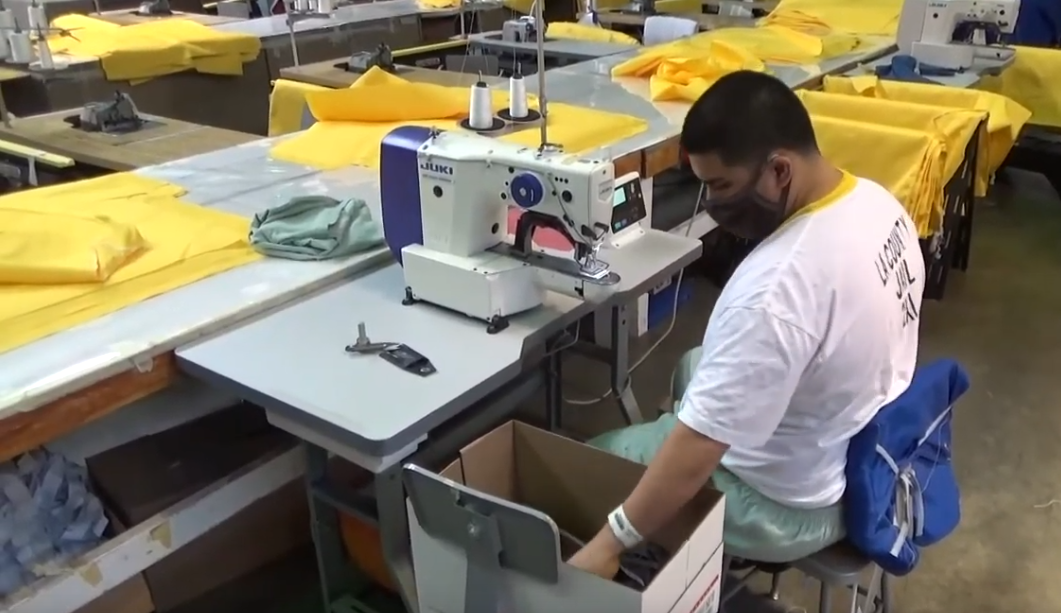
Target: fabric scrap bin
<point x="1004" y="121"/>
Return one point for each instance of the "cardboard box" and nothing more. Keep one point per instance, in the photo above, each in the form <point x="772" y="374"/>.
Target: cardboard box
<point x="140" y="479"/>
<point x="576" y="486"/>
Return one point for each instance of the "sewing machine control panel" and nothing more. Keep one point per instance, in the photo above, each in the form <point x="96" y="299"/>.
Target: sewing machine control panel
<point x="628" y="203"/>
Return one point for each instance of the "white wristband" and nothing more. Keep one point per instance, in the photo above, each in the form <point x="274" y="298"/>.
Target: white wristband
<point x="623" y="529"/>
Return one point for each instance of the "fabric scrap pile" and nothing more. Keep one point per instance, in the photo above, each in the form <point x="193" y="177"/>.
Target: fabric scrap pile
<point x="153" y="49"/>
<point x="685" y="69"/>
<point x="920" y="135"/>
<point x="315" y="228"/>
<point x="352" y="122"/>
<point x="48" y="517"/>
<point x="74" y="252"/>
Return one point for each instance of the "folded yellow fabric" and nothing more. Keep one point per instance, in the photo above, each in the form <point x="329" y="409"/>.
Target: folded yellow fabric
<point x="866" y="17"/>
<point x="1032" y="81"/>
<point x="908" y="163"/>
<point x="287" y="103"/>
<point x="579" y="31"/>
<point x="685" y="69"/>
<point x="153" y="49"/>
<point x="1005" y="118"/>
<point x="353" y="121"/>
<point x="181" y="243"/>
<point x="54" y="248"/>
<point x="956" y="126"/>
<point x="439" y="4"/>
<point x="782" y="45"/>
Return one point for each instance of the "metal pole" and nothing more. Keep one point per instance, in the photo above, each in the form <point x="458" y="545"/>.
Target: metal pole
<point x="539" y="26"/>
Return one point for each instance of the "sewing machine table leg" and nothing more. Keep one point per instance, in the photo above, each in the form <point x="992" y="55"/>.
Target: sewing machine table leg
<point x="620" y="366"/>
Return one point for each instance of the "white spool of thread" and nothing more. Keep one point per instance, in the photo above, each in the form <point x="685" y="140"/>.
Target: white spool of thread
<point x="517" y="97"/>
<point x="325" y="7"/>
<point x="21" y="47"/>
<point x="36" y="18"/>
<point x="480" y="108"/>
<point x="302" y="6"/>
<point x="7" y="24"/>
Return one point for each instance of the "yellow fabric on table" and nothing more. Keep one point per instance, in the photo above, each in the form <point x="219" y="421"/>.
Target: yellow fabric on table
<point x="439" y="4"/>
<point x="908" y="163"/>
<point x="1032" y="81"/>
<point x="54" y="248"/>
<point x="287" y="103"/>
<point x="956" y="126"/>
<point x="182" y="243"/>
<point x="780" y="45"/>
<point x="865" y="17"/>
<point x="154" y="49"/>
<point x="352" y="122"/>
<point x="579" y="31"/>
<point x="1005" y="118"/>
<point x="685" y="69"/>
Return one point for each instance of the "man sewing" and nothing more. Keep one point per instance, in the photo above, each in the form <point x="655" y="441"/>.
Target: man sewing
<point x="815" y="331"/>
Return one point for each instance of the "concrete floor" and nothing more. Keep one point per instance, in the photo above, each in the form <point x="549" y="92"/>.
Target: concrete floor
<point x="1002" y="320"/>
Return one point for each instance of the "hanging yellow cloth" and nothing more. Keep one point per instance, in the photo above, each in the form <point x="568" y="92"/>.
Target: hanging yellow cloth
<point x="865" y="17"/>
<point x="1005" y="118"/>
<point x="149" y="243"/>
<point x="908" y="163"/>
<point x="956" y="126"/>
<point x="352" y="122"/>
<point x="154" y="49"/>
<point x="287" y="103"/>
<point x="596" y="34"/>
<point x="1032" y="80"/>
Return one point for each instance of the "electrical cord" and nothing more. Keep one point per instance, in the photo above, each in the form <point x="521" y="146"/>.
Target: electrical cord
<point x="670" y="326"/>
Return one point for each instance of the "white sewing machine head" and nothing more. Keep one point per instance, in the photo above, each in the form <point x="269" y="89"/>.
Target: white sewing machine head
<point x="955" y="34"/>
<point x="465" y="184"/>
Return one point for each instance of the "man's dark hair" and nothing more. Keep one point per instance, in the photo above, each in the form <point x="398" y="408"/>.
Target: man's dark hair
<point x="744" y="116"/>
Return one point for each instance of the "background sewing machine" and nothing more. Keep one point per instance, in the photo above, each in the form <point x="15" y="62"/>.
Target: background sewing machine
<point x="956" y="34"/>
<point x="445" y="198"/>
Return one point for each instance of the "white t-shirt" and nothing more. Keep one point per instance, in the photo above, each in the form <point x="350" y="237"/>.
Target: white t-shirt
<point x="815" y="331"/>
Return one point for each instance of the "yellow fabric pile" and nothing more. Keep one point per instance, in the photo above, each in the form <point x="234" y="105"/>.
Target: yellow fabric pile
<point x="865" y="17"/>
<point x="1005" y="118"/>
<point x="78" y="251"/>
<point x="353" y="121"/>
<point x="1032" y="80"/>
<point x="917" y="148"/>
<point x="287" y="103"/>
<point x="685" y="69"/>
<point x="153" y="49"/>
<point x="596" y="34"/>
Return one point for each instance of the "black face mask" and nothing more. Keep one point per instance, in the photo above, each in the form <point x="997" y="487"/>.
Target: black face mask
<point x="748" y="214"/>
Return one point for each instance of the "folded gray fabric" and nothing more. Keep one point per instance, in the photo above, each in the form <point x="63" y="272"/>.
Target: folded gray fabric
<point x="315" y="228"/>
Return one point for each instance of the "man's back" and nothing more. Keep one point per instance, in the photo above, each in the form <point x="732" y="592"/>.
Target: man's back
<point x="848" y="275"/>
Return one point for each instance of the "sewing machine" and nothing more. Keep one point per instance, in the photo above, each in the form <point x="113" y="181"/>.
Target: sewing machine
<point x="445" y="198"/>
<point x="522" y="30"/>
<point x="955" y="33"/>
<point x="363" y="61"/>
<point x="117" y="116"/>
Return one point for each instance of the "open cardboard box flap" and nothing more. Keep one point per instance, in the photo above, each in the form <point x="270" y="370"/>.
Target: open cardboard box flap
<point x="577" y="486"/>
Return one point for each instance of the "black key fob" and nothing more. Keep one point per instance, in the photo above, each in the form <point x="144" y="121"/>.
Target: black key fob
<point x="408" y="360"/>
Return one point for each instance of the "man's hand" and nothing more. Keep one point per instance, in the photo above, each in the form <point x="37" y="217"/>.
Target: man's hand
<point x="600" y="556"/>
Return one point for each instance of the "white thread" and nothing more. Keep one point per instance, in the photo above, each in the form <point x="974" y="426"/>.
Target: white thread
<point x="36" y="18"/>
<point x="517" y="97"/>
<point x="21" y="48"/>
<point x="7" y="24"/>
<point x="1047" y="505"/>
<point x="45" y="60"/>
<point x="324" y="6"/>
<point x="480" y="108"/>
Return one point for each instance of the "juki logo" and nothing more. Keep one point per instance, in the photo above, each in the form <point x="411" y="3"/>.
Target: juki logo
<point x="439" y="168"/>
